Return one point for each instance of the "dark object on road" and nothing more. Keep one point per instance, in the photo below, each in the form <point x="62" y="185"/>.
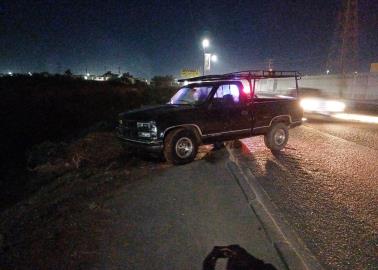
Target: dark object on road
<point x="217" y="108"/>
<point x="238" y="259"/>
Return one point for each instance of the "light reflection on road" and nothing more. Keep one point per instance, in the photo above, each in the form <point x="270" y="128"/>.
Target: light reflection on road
<point x="357" y="117"/>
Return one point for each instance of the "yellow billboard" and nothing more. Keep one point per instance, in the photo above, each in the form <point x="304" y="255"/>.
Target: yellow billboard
<point x="374" y="67"/>
<point x="189" y="73"/>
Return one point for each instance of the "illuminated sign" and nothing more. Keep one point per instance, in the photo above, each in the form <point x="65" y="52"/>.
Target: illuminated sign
<point x="189" y="73"/>
<point x="374" y="67"/>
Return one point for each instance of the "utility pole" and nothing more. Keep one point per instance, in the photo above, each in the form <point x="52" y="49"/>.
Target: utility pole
<point x="205" y="44"/>
<point x="343" y="56"/>
<point x="270" y="64"/>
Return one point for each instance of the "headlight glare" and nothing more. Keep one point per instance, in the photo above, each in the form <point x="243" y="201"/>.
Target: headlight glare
<point x="310" y="104"/>
<point x="322" y="105"/>
<point x="335" y="106"/>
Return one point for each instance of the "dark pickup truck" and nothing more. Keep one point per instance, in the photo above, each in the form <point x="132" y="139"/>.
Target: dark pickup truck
<point x="216" y="108"/>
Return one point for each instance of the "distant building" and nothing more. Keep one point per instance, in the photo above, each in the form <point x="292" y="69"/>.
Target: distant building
<point x="105" y="77"/>
<point x="125" y="78"/>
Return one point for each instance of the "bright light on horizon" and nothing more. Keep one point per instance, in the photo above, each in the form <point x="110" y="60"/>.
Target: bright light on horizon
<point x="214" y="58"/>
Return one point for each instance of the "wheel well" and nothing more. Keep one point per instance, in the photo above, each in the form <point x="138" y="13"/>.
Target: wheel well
<point x="191" y="128"/>
<point x="286" y="119"/>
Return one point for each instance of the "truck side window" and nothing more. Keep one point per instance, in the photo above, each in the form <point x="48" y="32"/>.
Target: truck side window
<point x="228" y="92"/>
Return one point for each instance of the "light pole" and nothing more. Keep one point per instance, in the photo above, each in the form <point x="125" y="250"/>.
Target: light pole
<point x="205" y="44"/>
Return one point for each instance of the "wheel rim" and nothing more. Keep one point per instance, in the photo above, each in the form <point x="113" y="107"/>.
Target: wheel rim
<point x="279" y="137"/>
<point x="184" y="147"/>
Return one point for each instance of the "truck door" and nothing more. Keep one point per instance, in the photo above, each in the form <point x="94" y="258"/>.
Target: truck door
<point x="214" y="119"/>
<point x="237" y="112"/>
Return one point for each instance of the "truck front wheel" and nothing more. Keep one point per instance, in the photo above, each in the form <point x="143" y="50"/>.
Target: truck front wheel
<point x="277" y="137"/>
<point x="180" y="146"/>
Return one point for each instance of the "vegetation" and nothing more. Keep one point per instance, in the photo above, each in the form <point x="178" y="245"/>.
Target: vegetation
<point x="40" y="109"/>
<point x="162" y="81"/>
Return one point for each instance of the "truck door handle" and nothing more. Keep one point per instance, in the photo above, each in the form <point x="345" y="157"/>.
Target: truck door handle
<point x="244" y="113"/>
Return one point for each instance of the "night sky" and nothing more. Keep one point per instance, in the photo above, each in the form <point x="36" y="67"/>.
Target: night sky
<point x="150" y="38"/>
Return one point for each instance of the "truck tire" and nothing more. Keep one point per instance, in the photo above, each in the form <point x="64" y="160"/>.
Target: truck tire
<point x="180" y="146"/>
<point x="277" y="137"/>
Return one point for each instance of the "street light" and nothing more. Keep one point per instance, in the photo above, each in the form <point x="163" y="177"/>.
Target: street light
<point x="207" y="57"/>
<point x="205" y="43"/>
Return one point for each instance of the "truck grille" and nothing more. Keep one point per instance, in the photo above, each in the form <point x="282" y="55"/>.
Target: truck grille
<point x="128" y="129"/>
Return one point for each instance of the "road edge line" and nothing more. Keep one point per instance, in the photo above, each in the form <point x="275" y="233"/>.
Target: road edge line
<point x="288" y="244"/>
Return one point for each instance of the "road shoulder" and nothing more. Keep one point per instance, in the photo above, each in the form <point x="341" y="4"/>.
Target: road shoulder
<point x="288" y="244"/>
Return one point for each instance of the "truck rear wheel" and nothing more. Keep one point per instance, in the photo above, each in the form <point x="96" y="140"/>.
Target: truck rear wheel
<point x="180" y="146"/>
<point x="277" y="137"/>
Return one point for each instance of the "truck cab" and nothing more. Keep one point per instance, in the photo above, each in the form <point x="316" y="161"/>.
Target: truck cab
<point x="217" y="108"/>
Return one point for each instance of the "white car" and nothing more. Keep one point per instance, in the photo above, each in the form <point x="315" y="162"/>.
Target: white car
<point x="315" y="104"/>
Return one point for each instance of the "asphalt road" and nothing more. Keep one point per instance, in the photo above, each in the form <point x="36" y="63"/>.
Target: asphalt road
<point x="325" y="184"/>
<point x="359" y="133"/>
<point x="173" y="220"/>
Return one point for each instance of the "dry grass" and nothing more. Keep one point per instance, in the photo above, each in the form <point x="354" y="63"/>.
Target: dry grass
<point x="95" y="150"/>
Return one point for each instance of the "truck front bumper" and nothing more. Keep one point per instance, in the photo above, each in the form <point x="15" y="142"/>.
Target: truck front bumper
<point x="152" y="146"/>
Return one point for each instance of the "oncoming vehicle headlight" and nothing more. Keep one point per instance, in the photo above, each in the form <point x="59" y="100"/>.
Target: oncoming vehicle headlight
<point x="335" y="106"/>
<point x="147" y="129"/>
<point x="310" y="104"/>
<point x="322" y="105"/>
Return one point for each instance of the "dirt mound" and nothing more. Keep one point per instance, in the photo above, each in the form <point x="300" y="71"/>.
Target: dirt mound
<point x="94" y="150"/>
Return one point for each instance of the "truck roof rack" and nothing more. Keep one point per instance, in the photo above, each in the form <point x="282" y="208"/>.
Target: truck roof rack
<point x="247" y="74"/>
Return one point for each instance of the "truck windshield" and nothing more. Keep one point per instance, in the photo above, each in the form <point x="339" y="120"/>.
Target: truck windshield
<point x="191" y="95"/>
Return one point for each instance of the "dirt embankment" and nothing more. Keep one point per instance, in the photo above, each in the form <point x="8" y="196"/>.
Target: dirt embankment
<point x="60" y="159"/>
<point x="60" y="220"/>
<point x="37" y="110"/>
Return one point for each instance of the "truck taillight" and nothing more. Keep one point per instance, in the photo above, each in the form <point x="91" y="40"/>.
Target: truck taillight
<point x="246" y="90"/>
<point x="246" y="87"/>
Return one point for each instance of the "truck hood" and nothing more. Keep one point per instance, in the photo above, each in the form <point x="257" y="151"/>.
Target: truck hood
<point x="153" y="113"/>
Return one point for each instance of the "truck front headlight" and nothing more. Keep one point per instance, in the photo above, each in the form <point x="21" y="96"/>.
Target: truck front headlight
<point x="147" y="129"/>
<point x="144" y="134"/>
